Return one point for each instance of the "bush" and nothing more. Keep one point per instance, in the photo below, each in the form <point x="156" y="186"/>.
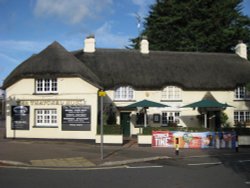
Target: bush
<point x="110" y="129"/>
<point x="148" y="130"/>
<point x="239" y="130"/>
<point x="240" y="125"/>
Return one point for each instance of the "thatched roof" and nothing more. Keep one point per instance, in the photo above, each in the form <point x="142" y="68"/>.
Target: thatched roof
<point x="53" y="61"/>
<point x="158" y="69"/>
<point x="111" y="68"/>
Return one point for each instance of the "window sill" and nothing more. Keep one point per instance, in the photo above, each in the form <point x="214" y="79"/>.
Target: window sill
<point x="174" y="100"/>
<point x="166" y="125"/>
<point x="44" y="126"/>
<point x="124" y="100"/>
<point x="242" y="99"/>
<point x="45" y="93"/>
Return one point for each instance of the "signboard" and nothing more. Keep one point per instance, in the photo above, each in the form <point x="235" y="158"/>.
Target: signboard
<point x="162" y="139"/>
<point x="62" y="102"/>
<point x="193" y="139"/>
<point x="76" y="118"/>
<point x="20" y="117"/>
<point x="102" y="93"/>
<point x="186" y="139"/>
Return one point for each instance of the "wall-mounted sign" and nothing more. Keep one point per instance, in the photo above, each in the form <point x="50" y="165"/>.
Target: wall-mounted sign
<point x="156" y="118"/>
<point x="53" y="102"/>
<point x="20" y="117"/>
<point x="76" y="118"/>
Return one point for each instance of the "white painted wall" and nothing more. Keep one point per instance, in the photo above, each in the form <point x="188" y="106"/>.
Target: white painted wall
<point x="188" y="115"/>
<point x="75" y="90"/>
<point x="110" y="139"/>
<point x="80" y="90"/>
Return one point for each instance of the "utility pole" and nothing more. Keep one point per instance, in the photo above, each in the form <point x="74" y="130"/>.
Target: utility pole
<point x="101" y="94"/>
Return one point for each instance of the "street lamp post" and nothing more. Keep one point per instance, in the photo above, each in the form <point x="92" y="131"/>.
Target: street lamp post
<point x="101" y="95"/>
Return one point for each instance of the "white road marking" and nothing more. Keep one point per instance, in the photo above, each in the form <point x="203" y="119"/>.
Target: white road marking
<point x="204" y="156"/>
<point x="63" y="169"/>
<point x="243" y="161"/>
<point x="144" y="166"/>
<point x="200" y="164"/>
<point x="247" y="182"/>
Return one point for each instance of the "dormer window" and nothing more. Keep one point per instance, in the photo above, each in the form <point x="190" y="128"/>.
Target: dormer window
<point x="241" y="93"/>
<point x="171" y="93"/>
<point x="124" y="93"/>
<point x="46" y="86"/>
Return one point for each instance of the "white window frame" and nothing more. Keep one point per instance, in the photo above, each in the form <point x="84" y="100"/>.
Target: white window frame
<point x="241" y="93"/>
<point x="170" y="117"/>
<point x="171" y="93"/>
<point x="241" y="116"/>
<point x="46" y="86"/>
<point x="124" y="93"/>
<point x="46" y="117"/>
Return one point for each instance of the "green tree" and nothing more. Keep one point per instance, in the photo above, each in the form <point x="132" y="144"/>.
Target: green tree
<point x="195" y="25"/>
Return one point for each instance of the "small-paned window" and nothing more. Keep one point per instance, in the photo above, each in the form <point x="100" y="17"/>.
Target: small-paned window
<point x="46" y="86"/>
<point x="241" y="116"/>
<point x="46" y="117"/>
<point x="171" y="93"/>
<point x="241" y="93"/>
<point x="170" y="117"/>
<point x="124" y="93"/>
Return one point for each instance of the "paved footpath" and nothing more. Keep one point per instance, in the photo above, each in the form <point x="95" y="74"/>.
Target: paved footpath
<point x="78" y="153"/>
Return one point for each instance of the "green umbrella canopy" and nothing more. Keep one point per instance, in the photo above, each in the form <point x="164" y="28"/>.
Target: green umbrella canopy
<point x="146" y="104"/>
<point x="206" y="103"/>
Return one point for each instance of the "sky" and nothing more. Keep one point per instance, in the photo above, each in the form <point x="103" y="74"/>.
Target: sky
<point x="29" y="26"/>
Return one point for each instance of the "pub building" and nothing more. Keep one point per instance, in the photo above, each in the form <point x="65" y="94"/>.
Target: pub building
<point x="54" y="94"/>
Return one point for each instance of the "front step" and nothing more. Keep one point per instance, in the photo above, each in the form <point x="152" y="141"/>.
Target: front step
<point x="130" y="142"/>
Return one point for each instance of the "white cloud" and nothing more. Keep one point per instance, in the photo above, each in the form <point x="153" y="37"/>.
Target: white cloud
<point x="22" y="46"/>
<point x="105" y="37"/>
<point x="71" y="11"/>
<point x="13" y="52"/>
<point x="7" y="64"/>
<point x="7" y="58"/>
<point x="143" y="6"/>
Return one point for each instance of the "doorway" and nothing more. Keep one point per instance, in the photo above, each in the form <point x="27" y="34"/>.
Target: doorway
<point x="213" y="121"/>
<point x="125" y="123"/>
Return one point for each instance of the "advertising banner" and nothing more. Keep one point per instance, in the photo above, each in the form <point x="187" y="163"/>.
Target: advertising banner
<point x="76" y="118"/>
<point x="193" y="139"/>
<point x="225" y="139"/>
<point x="20" y="117"/>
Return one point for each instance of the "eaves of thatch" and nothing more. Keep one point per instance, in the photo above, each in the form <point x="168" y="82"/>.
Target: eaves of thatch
<point x="158" y="69"/>
<point x="111" y="68"/>
<point x="53" y="61"/>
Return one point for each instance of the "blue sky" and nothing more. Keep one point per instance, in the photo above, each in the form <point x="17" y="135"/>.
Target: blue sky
<point x="28" y="26"/>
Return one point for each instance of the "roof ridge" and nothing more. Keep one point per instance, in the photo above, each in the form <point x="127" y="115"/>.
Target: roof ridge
<point x="155" y="51"/>
<point x="54" y="60"/>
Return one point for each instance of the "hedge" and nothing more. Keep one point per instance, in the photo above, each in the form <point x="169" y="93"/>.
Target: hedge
<point x="148" y="130"/>
<point x="110" y="129"/>
<point x="239" y="131"/>
<point x="116" y="129"/>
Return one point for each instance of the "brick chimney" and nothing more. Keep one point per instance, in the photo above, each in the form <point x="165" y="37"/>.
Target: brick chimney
<point x="144" y="45"/>
<point x="89" y="44"/>
<point x="241" y="49"/>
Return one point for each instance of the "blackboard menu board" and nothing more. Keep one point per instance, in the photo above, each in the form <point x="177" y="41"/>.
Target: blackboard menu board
<point x="76" y="118"/>
<point x="20" y="117"/>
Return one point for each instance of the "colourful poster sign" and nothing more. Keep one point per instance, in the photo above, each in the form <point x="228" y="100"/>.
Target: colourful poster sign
<point x="192" y="139"/>
<point x="162" y="139"/>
